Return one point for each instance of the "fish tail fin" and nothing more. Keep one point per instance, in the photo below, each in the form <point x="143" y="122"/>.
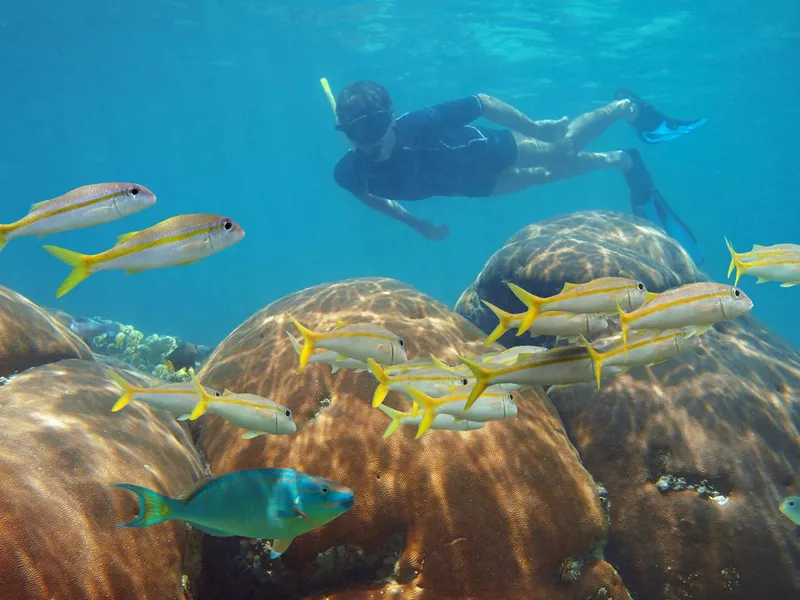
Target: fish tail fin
<point x="481" y="380"/>
<point x="422" y="399"/>
<point x="308" y="348"/>
<point x="383" y="382"/>
<point x="735" y="262"/>
<point x="532" y="302"/>
<point x="81" y="269"/>
<point x="397" y="419"/>
<point x="154" y="508"/>
<point x="504" y="322"/>
<point x="202" y="405"/>
<point x="597" y="359"/>
<point x="295" y="344"/>
<point x="127" y="391"/>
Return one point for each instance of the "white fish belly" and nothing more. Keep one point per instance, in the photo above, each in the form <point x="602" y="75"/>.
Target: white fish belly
<point x="246" y="417"/>
<point x="484" y="409"/>
<point x="783" y="272"/>
<point x="360" y="348"/>
<point x="157" y="257"/>
<point x="96" y="214"/>
<point x="698" y="312"/>
<point x="560" y="325"/>
<point x="561" y="373"/>
<point x="177" y="404"/>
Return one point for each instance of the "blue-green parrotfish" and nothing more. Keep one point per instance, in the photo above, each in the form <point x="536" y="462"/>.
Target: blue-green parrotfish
<point x="275" y="504"/>
<point x="790" y="507"/>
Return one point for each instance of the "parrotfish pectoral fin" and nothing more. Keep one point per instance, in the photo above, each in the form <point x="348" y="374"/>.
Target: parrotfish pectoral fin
<point x="79" y="264"/>
<point x="127" y="391"/>
<point x="154" y="508"/>
<point x="278" y="547"/>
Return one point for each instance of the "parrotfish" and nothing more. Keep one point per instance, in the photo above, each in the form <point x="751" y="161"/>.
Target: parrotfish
<point x="275" y="504"/>
<point x="558" y="323"/>
<point x="357" y="340"/>
<point x="790" y="508"/>
<point x="176" y="398"/>
<point x="441" y="421"/>
<point x="177" y="241"/>
<point x="778" y="265"/>
<point x="696" y="304"/>
<point x="82" y="207"/>
<point x="431" y="380"/>
<point x="253" y="413"/>
<point x="328" y="357"/>
<point x="600" y="296"/>
<point x="492" y="405"/>
<point x="647" y="348"/>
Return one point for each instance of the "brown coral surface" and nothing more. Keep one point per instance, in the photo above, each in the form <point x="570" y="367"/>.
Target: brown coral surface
<point x="59" y="450"/>
<point x="504" y="512"/>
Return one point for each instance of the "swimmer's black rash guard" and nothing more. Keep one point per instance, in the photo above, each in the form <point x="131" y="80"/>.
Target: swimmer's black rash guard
<point x="437" y="153"/>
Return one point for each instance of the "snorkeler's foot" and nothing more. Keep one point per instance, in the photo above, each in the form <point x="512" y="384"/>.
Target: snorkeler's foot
<point x="653" y="126"/>
<point x="648" y="203"/>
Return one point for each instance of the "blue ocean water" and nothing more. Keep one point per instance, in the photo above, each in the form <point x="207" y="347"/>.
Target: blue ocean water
<point x="216" y="107"/>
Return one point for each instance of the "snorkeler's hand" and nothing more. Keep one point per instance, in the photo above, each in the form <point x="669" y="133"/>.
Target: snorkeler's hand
<point x="434" y="233"/>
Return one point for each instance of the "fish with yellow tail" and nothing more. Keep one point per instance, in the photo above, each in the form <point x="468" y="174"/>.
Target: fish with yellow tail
<point x="557" y="323"/>
<point x="83" y="207"/>
<point x="176" y="398"/>
<point x="355" y="340"/>
<point x="441" y="421"/>
<point x="775" y="264"/>
<point x="564" y="365"/>
<point x="699" y="305"/>
<point x="433" y="381"/>
<point x="176" y="242"/>
<point x="491" y="405"/>
<point x="335" y="360"/>
<point x="646" y="348"/>
<point x="599" y="296"/>
<point x="274" y="504"/>
<point x="256" y="415"/>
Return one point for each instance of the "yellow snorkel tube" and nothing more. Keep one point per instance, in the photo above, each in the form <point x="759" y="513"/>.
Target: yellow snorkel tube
<point x="326" y="87"/>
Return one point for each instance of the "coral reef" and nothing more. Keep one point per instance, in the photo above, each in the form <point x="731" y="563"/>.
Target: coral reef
<point x="489" y="513"/>
<point x="696" y="452"/>
<point x="61" y="447"/>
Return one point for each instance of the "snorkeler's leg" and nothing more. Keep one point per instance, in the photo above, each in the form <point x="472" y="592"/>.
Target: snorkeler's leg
<point x="647" y="203"/>
<point x="515" y="179"/>
<point x="586" y="127"/>
<point x="653" y="126"/>
<point x="533" y="152"/>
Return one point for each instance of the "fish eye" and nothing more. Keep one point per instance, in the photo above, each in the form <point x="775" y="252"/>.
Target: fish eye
<point x="134" y="191"/>
<point x="464" y="381"/>
<point x="736" y="293"/>
<point x="324" y="490"/>
<point x="288" y="413"/>
<point x="640" y="286"/>
<point x="511" y="397"/>
<point x="227" y="225"/>
<point x="401" y="342"/>
<point x="791" y="504"/>
<point x="217" y="394"/>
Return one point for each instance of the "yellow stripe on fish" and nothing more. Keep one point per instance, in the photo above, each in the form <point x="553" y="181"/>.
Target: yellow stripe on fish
<point x="780" y="265"/>
<point x="597" y="296"/>
<point x="698" y="304"/>
<point x="429" y="378"/>
<point x="177" y="241"/>
<point x="82" y="207"/>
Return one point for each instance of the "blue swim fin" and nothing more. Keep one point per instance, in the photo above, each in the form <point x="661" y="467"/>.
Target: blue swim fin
<point x="654" y="127"/>
<point x="647" y="203"/>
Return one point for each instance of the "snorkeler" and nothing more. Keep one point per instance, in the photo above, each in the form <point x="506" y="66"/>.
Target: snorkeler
<point x="436" y="151"/>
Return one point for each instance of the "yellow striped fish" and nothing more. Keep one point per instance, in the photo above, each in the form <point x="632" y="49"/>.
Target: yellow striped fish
<point x="780" y="263"/>
<point x="558" y="323"/>
<point x="176" y="242"/>
<point x="356" y="340"/>
<point x="597" y="296"/>
<point x="82" y="207"/>
<point x="697" y="304"/>
<point x="434" y="381"/>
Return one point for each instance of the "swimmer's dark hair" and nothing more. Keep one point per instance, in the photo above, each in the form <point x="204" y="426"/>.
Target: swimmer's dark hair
<point x="361" y="98"/>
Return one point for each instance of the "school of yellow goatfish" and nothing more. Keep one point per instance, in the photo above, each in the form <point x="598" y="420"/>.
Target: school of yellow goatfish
<point x="603" y="327"/>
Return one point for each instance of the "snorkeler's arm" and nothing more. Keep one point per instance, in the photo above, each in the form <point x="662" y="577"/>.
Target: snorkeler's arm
<point x="392" y="209"/>
<point x="506" y="115"/>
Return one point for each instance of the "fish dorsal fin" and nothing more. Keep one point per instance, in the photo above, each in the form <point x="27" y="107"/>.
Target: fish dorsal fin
<point x="126" y="236"/>
<point x="37" y="205"/>
<point x="227" y="392"/>
<point x="339" y="324"/>
<point x="568" y="286"/>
